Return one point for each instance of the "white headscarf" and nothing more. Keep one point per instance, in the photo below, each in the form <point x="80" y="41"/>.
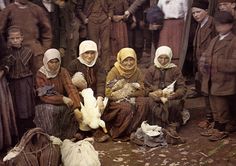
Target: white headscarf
<point x="163" y="50"/>
<point x="88" y="45"/>
<point x="49" y="55"/>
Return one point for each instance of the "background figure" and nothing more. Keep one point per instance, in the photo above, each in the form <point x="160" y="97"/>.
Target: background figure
<point x="70" y="37"/>
<point x="98" y="14"/>
<point x="53" y="13"/>
<point x="218" y="68"/>
<point x="34" y="24"/>
<point x="204" y="33"/>
<point x="175" y="12"/>
<point x="229" y="6"/>
<point x="119" y="35"/>
<point x="128" y="108"/>
<point x="8" y="128"/>
<point x="58" y="98"/>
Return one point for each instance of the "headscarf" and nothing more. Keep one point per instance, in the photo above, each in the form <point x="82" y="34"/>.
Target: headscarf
<point x="121" y="56"/>
<point x="163" y="50"/>
<point x="88" y="45"/>
<point x="49" y="55"/>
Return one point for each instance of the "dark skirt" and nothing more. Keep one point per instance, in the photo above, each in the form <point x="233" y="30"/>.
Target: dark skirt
<point x="22" y="91"/>
<point x="119" y="38"/>
<point x="8" y="128"/>
<point x="123" y="118"/>
<point x="165" y="114"/>
<point x="56" y="120"/>
<point x="172" y="37"/>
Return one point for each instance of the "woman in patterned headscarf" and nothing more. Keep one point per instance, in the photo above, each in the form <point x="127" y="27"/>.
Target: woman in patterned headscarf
<point x="165" y="109"/>
<point x="125" y="89"/>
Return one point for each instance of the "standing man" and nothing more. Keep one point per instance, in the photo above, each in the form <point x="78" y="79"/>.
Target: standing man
<point x="97" y="14"/>
<point x="35" y="26"/>
<point x="228" y="6"/>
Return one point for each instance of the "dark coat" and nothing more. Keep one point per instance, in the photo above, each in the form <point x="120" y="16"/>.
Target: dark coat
<point x="97" y="81"/>
<point x="154" y="78"/>
<point x="87" y="6"/>
<point x="203" y="37"/>
<point x="218" y="67"/>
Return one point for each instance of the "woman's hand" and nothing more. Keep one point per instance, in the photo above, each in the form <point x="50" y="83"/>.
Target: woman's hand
<point x="67" y="101"/>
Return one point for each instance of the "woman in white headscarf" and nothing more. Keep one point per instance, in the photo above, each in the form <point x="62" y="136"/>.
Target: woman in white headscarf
<point x="165" y="105"/>
<point x="58" y="97"/>
<point x="88" y="72"/>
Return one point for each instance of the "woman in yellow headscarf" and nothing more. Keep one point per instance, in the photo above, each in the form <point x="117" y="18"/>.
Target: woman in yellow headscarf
<point x="124" y="87"/>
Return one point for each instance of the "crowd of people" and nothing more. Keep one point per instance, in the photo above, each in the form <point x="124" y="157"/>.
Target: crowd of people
<point x="52" y="50"/>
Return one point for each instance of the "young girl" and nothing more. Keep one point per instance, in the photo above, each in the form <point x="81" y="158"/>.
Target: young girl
<point x="159" y="76"/>
<point x="54" y="112"/>
<point x="127" y="108"/>
<point x="21" y="80"/>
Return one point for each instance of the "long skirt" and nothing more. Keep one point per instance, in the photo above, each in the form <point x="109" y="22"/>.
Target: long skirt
<point x="8" y="128"/>
<point x="171" y="36"/>
<point x="56" y="120"/>
<point x="123" y="118"/>
<point x="22" y="91"/>
<point x="165" y="114"/>
<point x="119" y="38"/>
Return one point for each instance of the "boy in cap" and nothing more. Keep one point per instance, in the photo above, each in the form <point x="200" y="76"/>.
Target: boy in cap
<point x="218" y="68"/>
<point x="204" y="33"/>
<point x="229" y="6"/>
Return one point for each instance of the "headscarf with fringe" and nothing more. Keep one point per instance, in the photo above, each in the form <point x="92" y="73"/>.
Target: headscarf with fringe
<point x="121" y="56"/>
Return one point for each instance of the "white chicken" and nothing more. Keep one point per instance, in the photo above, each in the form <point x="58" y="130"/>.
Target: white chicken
<point x="151" y="130"/>
<point x="91" y="115"/>
<point x="167" y="91"/>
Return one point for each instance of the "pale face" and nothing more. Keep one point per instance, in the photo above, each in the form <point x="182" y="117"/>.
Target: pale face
<point x="199" y="14"/>
<point x="163" y="59"/>
<point x="227" y="6"/>
<point x="15" y="39"/>
<point x="88" y="56"/>
<point x="223" y="28"/>
<point x="128" y="62"/>
<point x="53" y="64"/>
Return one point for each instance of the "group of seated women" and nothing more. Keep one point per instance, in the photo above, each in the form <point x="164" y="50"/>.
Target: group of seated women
<point x="134" y="95"/>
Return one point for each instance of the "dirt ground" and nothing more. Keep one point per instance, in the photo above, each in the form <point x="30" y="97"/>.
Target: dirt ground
<point x="197" y="151"/>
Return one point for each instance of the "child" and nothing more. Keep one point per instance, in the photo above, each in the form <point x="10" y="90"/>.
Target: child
<point x="21" y="79"/>
<point x="218" y="68"/>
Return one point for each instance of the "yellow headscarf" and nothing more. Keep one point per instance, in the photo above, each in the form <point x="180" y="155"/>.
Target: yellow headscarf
<point x="163" y="50"/>
<point x="121" y="56"/>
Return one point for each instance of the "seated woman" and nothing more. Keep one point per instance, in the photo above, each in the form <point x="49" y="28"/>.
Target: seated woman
<point x="125" y="89"/>
<point x="166" y="88"/>
<point x="88" y="72"/>
<point x="54" y="112"/>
